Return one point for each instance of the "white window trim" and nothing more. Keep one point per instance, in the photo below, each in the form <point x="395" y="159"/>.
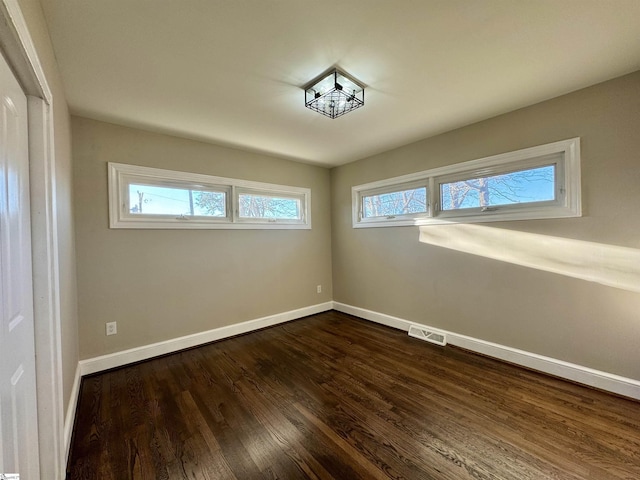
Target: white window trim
<point x="567" y="203"/>
<point x="120" y="175"/>
<point x="395" y="187"/>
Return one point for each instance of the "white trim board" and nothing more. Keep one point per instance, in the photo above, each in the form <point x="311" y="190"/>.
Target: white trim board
<point x="70" y="416"/>
<point x="22" y="55"/>
<point x="145" y="352"/>
<point x="559" y="368"/>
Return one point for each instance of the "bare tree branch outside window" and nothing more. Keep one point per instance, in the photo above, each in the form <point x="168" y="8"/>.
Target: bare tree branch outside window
<point x="262" y="206"/>
<point x="533" y="185"/>
<point x="212" y="203"/>
<point x="395" y="203"/>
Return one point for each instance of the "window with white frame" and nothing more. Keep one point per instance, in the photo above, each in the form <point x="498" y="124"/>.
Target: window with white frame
<point x="144" y="197"/>
<point x="256" y="205"/>
<point x="395" y="201"/>
<point x="534" y="183"/>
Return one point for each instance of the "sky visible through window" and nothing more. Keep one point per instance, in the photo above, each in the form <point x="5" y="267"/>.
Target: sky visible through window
<point x="403" y="202"/>
<point x="265" y="206"/>
<point x="155" y="200"/>
<point x="524" y="186"/>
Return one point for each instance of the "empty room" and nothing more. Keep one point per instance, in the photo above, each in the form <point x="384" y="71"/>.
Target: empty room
<point x="366" y="239"/>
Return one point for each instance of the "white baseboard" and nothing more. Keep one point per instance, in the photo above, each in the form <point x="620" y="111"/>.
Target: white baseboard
<point x="125" y="357"/>
<point x="71" y="415"/>
<point x="576" y="373"/>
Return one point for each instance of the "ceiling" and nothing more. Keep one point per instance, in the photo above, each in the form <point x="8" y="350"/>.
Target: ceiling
<point x="230" y="72"/>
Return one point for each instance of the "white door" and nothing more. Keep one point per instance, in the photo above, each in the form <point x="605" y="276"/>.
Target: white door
<point x="18" y="408"/>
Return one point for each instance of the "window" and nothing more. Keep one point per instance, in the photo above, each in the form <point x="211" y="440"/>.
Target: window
<point x="537" y="182"/>
<point x="397" y="201"/>
<point x="142" y="197"/>
<point x="264" y="206"/>
<point x="145" y="198"/>
<point x="518" y="186"/>
<point x="522" y="186"/>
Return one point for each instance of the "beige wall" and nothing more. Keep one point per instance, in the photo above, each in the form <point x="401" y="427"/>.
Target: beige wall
<point x="63" y="194"/>
<point x="163" y="284"/>
<point x="387" y="270"/>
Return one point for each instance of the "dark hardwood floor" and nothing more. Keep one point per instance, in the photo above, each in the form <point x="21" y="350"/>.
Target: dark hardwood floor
<point x="332" y="396"/>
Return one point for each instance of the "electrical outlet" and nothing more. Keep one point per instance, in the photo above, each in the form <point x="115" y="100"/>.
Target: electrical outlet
<point x="112" y="328"/>
<point x="319" y="289"/>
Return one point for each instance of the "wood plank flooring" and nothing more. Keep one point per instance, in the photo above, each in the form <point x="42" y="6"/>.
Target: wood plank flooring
<point x="334" y="397"/>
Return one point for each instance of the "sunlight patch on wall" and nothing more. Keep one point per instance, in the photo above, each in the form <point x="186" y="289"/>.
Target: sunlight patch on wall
<point x="595" y="262"/>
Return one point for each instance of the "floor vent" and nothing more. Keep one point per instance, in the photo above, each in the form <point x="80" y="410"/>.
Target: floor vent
<point x="427" y="335"/>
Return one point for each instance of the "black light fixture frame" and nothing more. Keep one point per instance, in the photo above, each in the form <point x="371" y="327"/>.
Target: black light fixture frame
<point x="336" y="100"/>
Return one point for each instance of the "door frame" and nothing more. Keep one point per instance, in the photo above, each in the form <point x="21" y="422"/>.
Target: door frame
<point x="20" y="52"/>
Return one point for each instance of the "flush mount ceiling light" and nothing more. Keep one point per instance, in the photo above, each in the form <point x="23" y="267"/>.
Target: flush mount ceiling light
<point x="333" y="94"/>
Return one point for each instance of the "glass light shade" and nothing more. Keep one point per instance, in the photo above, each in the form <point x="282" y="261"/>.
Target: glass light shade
<point x="334" y="94"/>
